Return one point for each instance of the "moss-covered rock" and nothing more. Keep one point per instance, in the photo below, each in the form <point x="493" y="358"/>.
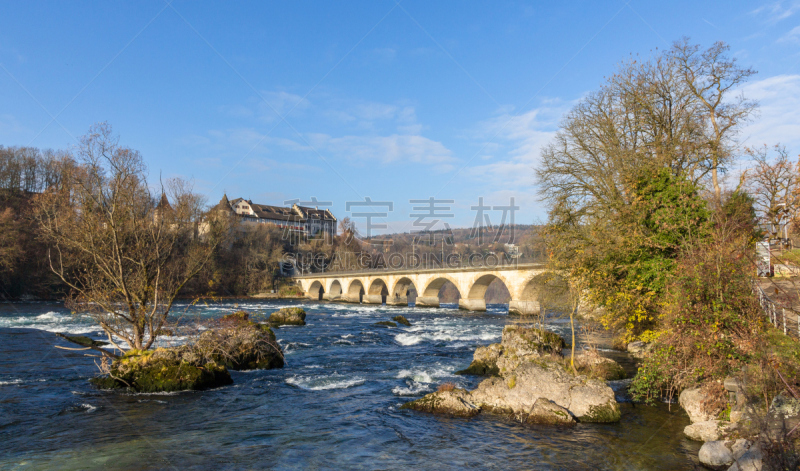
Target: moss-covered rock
<point x="608" y="412"/>
<point x="385" y="324"/>
<point x="288" y="316"/>
<point x="241" y="344"/>
<point x="484" y="361"/>
<point x="586" y="399"/>
<point x="401" y="320"/>
<point x="594" y="365"/>
<point x="164" y="370"/>
<point x="235" y="317"/>
<point x="456" y="402"/>
<point x="234" y="342"/>
<point x="480" y="368"/>
<point x="546" y="412"/>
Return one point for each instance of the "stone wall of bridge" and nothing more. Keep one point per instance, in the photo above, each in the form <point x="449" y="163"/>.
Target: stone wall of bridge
<point x="393" y="287"/>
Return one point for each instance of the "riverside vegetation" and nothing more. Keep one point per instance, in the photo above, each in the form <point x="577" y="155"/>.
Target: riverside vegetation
<point x="663" y="256"/>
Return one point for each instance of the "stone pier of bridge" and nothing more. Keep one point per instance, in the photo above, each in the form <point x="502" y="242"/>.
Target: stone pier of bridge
<point x="393" y="287"/>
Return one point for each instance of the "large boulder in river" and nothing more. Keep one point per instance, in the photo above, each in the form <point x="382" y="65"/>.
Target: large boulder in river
<point x="546" y="412"/>
<point x="164" y="370"/>
<point x="484" y="361"/>
<point x="707" y="431"/>
<point x="532" y="393"/>
<point x="530" y="383"/>
<point x="455" y="402"/>
<point x="401" y="320"/>
<point x="588" y="400"/>
<point x="692" y="402"/>
<point x="715" y="455"/>
<point x="733" y="455"/>
<point x="241" y="344"/>
<point x="522" y="344"/>
<point x="288" y="316"/>
<point x="519" y="344"/>
<point x="594" y="365"/>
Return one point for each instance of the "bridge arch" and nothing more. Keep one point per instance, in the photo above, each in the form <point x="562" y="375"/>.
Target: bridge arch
<point x="378" y="286"/>
<point x="435" y="285"/>
<point x="403" y="286"/>
<point x="429" y="295"/>
<point x="476" y="293"/>
<point x="378" y="291"/>
<point x="528" y="301"/>
<point x="402" y="292"/>
<point x="355" y="292"/>
<point x="335" y="289"/>
<point x="478" y="288"/>
<point x="316" y="290"/>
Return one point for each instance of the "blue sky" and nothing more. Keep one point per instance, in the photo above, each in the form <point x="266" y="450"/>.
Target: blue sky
<point x="273" y="101"/>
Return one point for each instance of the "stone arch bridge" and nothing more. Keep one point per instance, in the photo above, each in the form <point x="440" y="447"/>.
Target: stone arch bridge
<point x="393" y="286"/>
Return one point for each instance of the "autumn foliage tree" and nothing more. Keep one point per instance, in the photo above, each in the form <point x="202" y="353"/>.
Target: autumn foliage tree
<point x="124" y="253"/>
<point x="710" y="323"/>
<point x="626" y="173"/>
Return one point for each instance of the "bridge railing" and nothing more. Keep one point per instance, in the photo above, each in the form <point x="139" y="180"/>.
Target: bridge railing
<point x="434" y="265"/>
<point x="782" y="318"/>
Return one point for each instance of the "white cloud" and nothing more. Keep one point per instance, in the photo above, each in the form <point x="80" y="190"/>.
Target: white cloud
<point x="395" y="148"/>
<point x="779" y="120"/>
<point x="344" y="129"/>
<point x="511" y="145"/>
<point x="792" y="36"/>
<point x="777" y="11"/>
<point x="273" y="104"/>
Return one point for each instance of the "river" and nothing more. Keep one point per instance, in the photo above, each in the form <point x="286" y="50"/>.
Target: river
<point x="334" y="405"/>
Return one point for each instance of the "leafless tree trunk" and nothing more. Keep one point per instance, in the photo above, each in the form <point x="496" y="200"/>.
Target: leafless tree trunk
<point x="712" y="77"/>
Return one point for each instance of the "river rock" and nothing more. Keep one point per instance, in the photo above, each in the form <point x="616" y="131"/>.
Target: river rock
<point x="547" y="412"/>
<point x="522" y="344"/>
<point x="164" y="370"/>
<point x="240" y="344"/>
<point x="401" y="320"/>
<point x="715" y="455"/>
<point x="638" y="349"/>
<point x="588" y="400"/>
<point x="707" y="431"/>
<point x="457" y="402"/>
<point x="530" y="383"/>
<point x="750" y="458"/>
<point x="519" y="345"/>
<point x="484" y="361"/>
<point x="288" y="316"/>
<point x="599" y="366"/>
<point x="692" y="402"/>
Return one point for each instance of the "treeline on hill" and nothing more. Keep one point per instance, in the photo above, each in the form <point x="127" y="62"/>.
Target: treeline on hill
<point x="249" y="262"/>
<point x="641" y="223"/>
<point x="24" y="267"/>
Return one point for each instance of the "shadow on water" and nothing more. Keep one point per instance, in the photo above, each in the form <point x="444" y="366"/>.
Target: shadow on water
<point x="335" y="405"/>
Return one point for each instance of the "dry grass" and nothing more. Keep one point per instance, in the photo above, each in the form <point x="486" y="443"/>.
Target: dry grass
<point x="446" y="387"/>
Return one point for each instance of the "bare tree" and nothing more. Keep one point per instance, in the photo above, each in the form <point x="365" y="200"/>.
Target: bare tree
<point x="773" y="183"/>
<point x="712" y="77"/>
<point x="642" y="117"/>
<point x="124" y="254"/>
